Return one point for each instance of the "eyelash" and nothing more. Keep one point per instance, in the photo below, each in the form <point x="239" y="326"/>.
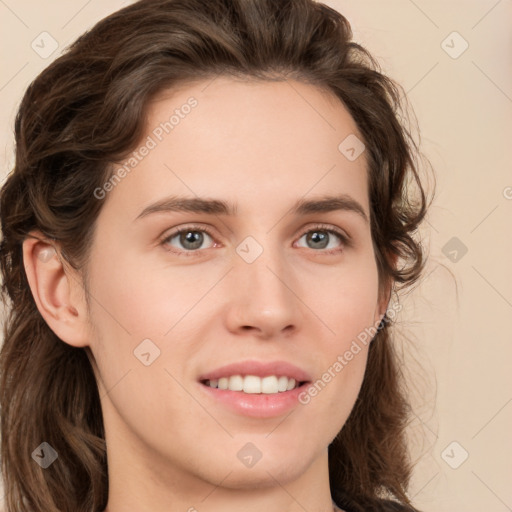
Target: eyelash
<point x="345" y="240"/>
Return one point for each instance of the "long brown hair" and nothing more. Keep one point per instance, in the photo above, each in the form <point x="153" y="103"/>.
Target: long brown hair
<point x="85" y="111"/>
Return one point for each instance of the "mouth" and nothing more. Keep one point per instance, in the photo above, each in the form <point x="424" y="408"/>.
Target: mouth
<point x="254" y="384"/>
<point x="254" y="388"/>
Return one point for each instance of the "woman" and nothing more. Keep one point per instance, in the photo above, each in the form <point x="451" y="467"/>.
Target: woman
<point x="211" y="205"/>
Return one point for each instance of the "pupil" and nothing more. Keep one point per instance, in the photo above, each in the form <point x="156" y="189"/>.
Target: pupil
<point x="320" y="237"/>
<point x="194" y="238"/>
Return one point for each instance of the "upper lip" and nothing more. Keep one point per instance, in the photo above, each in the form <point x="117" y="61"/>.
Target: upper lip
<point x="259" y="369"/>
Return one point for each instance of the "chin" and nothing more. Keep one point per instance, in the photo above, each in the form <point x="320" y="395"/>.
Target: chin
<point x="264" y="475"/>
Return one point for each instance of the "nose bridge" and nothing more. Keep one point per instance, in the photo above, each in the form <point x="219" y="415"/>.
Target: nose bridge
<point x="259" y="266"/>
<point x="262" y="287"/>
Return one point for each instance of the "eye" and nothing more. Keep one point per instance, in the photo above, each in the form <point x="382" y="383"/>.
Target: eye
<point x="324" y="237"/>
<point x="187" y="239"/>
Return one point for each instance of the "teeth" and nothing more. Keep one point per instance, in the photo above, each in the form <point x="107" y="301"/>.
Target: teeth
<point x="236" y="383"/>
<point x="282" y="383"/>
<point x="269" y="385"/>
<point x="253" y="385"/>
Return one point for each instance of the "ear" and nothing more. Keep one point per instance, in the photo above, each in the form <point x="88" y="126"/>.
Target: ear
<point x="383" y="304"/>
<point x="384" y="297"/>
<point x="57" y="289"/>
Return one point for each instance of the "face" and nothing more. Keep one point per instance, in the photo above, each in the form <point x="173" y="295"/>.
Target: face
<point x="266" y="280"/>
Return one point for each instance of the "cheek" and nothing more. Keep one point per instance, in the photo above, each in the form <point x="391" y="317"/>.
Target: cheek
<point x="329" y="400"/>
<point x="145" y="302"/>
<point x="347" y="307"/>
<point x="132" y="304"/>
<point x="346" y="301"/>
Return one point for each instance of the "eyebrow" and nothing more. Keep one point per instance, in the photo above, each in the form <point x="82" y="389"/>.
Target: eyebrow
<point x="323" y="204"/>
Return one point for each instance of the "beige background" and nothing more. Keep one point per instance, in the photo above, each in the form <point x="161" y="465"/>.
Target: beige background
<point x="457" y="320"/>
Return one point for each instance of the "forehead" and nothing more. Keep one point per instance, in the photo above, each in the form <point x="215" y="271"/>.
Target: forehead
<point x="243" y="141"/>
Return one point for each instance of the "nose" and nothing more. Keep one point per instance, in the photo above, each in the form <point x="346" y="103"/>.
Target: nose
<point x="263" y="296"/>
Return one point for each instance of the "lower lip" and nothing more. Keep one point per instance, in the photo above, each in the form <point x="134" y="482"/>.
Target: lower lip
<point x="256" y="405"/>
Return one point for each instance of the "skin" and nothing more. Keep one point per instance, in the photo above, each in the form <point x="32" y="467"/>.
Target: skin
<point x="263" y="146"/>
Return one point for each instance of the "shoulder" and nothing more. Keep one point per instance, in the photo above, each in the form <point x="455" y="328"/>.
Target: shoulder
<point x="347" y="504"/>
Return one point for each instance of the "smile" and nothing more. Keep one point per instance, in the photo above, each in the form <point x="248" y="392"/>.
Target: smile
<point x="252" y="384"/>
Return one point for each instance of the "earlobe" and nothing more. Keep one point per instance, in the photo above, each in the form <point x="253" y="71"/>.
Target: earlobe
<point x="55" y="290"/>
<point x="383" y="305"/>
<point x="385" y="297"/>
<point x="379" y="318"/>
